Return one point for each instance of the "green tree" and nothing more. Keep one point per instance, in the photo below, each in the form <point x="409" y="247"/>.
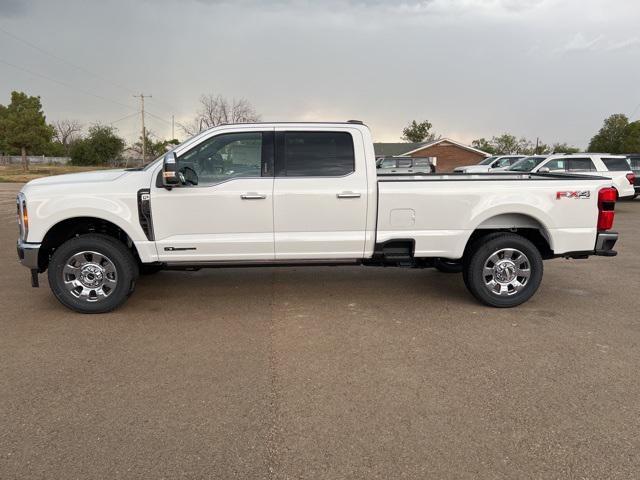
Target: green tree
<point x="563" y="148"/>
<point x="631" y="142"/>
<point x="102" y="146"/>
<point x="484" y="145"/>
<point x="154" y="148"/>
<point x="505" y="144"/>
<point x="611" y="137"/>
<point x="418" y="132"/>
<point x="4" y="146"/>
<point x="24" y="126"/>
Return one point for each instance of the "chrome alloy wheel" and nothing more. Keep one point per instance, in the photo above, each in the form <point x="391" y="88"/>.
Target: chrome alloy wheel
<point x="506" y="272"/>
<point x="90" y="276"/>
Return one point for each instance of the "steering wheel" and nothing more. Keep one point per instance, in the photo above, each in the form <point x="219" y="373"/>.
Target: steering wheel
<point x="188" y="176"/>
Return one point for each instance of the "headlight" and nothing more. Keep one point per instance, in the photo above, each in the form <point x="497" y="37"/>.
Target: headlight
<point x="23" y="216"/>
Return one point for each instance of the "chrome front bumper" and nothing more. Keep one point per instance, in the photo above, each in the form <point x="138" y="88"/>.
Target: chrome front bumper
<point x="28" y="254"/>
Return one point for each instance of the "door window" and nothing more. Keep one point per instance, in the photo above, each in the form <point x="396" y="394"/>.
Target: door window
<point x="580" y="165"/>
<point x="227" y="156"/>
<point x="559" y="164"/>
<point x="404" y="163"/>
<point x="388" y="163"/>
<point x="316" y="154"/>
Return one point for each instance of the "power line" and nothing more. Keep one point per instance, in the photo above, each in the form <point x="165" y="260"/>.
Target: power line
<point x="64" y="84"/>
<point x="60" y="59"/>
<point x="158" y="118"/>
<point x="78" y="67"/>
<point x="124" y="118"/>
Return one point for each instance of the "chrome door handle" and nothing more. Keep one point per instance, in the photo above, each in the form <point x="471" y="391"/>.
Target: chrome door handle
<point x="348" y="195"/>
<point x="252" y="196"/>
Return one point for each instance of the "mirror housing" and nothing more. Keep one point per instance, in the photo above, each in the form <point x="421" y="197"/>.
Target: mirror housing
<point x="170" y="171"/>
<point x="544" y="170"/>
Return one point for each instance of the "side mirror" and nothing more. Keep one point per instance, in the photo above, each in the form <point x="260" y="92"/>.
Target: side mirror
<point x="544" y="170"/>
<point x="170" y="173"/>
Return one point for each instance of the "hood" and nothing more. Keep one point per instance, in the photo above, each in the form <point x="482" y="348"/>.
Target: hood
<point x="83" y="177"/>
<point x="473" y="168"/>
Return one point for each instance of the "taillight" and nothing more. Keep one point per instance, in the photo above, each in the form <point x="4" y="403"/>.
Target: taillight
<point x="631" y="177"/>
<point x="606" y="208"/>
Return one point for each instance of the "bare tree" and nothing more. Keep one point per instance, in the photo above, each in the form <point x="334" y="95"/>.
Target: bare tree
<point x="217" y="110"/>
<point x="66" y="132"/>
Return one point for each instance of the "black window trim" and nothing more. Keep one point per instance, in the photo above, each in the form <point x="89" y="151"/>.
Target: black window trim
<point x="280" y="170"/>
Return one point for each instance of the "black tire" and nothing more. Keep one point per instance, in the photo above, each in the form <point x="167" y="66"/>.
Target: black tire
<point x="518" y="249"/>
<point x="121" y="267"/>
<point x="150" y="268"/>
<point x="444" y="265"/>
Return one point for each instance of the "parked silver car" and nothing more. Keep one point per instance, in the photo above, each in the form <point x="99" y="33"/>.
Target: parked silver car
<point x="391" y="165"/>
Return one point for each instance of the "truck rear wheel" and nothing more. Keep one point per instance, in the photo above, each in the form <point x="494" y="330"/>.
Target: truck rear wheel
<point x="447" y="266"/>
<point x="92" y="273"/>
<point x="503" y="270"/>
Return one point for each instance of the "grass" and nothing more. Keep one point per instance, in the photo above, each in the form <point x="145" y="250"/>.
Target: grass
<point x="15" y="173"/>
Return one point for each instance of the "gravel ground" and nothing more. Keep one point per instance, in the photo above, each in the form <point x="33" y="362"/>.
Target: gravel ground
<point x="324" y="373"/>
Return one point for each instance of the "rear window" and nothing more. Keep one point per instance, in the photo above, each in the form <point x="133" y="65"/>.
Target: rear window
<point x="318" y="154"/>
<point x="616" y="164"/>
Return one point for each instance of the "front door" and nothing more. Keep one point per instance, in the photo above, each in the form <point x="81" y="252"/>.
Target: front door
<point x="228" y="215"/>
<point x="320" y="195"/>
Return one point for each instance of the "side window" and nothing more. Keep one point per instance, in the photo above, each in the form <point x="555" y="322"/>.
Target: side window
<point x="226" y="156"/>
<point x="317" y="154"/>
<point x="503" y="162"/>
<point x="513" y="160"/>
<point x="559" y="164"/>
<point x="388" y="163"/>
<point x="405" y="163"/>
<point x="581" y="165"/>
<point x="616" y="164"/>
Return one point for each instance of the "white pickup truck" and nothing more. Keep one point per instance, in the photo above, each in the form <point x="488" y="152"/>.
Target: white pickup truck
<point x="302" y="193"/>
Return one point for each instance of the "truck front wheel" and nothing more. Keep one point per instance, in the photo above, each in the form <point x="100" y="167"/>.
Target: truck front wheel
<point x="92" y="273"/>
<point x="503" y="270"/>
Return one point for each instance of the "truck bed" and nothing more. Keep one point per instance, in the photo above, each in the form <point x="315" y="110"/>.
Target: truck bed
<point x="439" y="212"/>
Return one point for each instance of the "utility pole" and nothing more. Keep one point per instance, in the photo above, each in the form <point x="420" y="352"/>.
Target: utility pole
<point x="537" y="143"/>
<point x="172" y="127"/>
<point x="144" y="132"/>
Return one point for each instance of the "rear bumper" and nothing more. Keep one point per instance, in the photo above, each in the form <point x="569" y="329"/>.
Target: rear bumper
<point x="605" y="241"/>
<point x="28" y="254"/>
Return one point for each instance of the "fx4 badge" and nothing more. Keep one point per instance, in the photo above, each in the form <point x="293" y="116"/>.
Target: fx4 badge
<point x="585" y="194"/>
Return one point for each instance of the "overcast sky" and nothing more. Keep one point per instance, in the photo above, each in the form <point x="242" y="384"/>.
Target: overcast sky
<point x="548" y="68"/>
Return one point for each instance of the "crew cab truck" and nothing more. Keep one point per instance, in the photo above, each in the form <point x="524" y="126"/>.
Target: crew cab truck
<point x="302" y="193"/>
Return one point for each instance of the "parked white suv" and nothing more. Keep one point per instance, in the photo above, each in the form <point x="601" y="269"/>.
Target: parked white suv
<point x="615" y="167"/>
<point x="490" y="163"/>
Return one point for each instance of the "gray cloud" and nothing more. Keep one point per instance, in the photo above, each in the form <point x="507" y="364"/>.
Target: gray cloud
<point x="12" y="8"/>
<point x="472" y="67"/>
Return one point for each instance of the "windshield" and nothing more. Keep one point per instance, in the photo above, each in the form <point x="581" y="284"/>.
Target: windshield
<point x="487" y="161"/>
<point x="526" y="164"/>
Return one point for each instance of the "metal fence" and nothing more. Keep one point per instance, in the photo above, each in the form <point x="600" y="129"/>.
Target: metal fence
<point x="33" y="160"/>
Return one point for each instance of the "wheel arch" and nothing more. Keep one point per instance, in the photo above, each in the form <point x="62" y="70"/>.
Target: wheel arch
<point x="68" y="228"/>
<point x="525" y="224"/>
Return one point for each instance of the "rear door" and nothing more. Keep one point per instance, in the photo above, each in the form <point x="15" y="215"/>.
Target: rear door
<point x="320" y="194"/>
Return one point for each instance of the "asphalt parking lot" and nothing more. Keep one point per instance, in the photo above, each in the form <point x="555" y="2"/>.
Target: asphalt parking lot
<point x="324" y="373"/>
